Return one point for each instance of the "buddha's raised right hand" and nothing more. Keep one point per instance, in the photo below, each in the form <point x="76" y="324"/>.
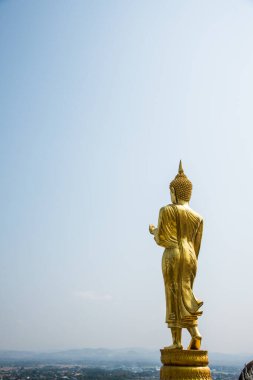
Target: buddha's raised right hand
<point x="151" y="229"/>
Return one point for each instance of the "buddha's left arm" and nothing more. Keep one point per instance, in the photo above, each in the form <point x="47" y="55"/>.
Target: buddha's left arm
<point x="158" y="229"/>
<point x="162" y="232"/>
<point x="198" y="237"/>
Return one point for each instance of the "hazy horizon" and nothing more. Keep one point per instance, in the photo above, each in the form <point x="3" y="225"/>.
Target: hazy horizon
<point x="130" y="348"/>
<point x="99" y="102"/>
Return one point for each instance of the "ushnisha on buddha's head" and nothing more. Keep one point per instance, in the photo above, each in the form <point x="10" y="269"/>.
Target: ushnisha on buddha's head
<point x="180" y="187"/>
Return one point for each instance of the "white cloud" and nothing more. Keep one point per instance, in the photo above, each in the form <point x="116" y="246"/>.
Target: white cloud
<point x="93" y="296"/>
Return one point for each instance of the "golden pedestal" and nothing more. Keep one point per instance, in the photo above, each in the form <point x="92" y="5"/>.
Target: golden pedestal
<point x="184" y="365"/>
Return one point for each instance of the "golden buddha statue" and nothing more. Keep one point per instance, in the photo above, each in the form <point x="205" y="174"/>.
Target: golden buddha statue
<point x="179" y="231"/>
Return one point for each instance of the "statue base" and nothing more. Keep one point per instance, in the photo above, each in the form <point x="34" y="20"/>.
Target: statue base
<point x="184" y="365"/>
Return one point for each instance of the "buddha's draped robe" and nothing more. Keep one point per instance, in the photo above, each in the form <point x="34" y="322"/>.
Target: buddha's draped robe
<point x="179" y="231"/>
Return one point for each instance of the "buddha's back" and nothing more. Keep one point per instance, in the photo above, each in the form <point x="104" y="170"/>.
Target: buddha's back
<point x="189" y="227"/>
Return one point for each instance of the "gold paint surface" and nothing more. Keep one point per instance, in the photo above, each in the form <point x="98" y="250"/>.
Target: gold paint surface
<point x="188" y="358"/>
<point x="179" y="232"/>
<point x="184" y="365"/>
<point x="185" y="373"/>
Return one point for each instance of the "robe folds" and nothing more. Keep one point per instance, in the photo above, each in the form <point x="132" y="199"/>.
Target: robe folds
<point x="179" y="231"/>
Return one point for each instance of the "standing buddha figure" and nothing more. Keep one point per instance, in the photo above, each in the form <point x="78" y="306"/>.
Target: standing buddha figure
<point x="179" y="231"/>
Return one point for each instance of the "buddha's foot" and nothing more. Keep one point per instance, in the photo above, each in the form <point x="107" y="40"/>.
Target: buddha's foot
<point x="195" y="343"/>
<point x="174" y="347"/>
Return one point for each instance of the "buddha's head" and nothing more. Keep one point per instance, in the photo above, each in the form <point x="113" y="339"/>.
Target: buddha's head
<point x="180" y="187"/>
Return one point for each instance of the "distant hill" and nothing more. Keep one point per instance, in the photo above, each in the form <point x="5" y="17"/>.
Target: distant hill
<point x="105" y="356"/>
<point x="86" y="356"/>
<point x="229" y="359"/>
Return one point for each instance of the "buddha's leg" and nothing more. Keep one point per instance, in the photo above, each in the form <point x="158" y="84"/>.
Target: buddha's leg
<point x="176" y="339"/>
<point x="196" y="338"/>
<point x="179" y="337"/>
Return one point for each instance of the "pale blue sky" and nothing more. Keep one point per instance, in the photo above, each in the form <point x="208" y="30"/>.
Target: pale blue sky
<point x="99" y="101"/>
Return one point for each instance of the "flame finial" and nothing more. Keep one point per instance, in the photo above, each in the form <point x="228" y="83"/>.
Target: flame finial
<point x="180" y="169"/>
